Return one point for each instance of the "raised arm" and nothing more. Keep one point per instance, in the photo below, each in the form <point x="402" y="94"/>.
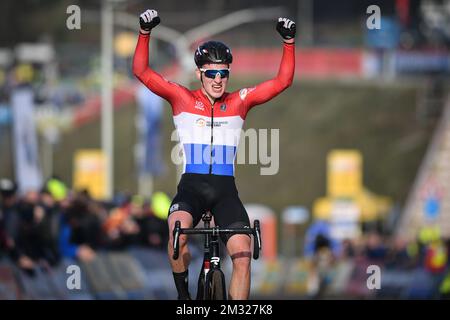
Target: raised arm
<point x="267" y="90"/>
<point x="151" y="79"/>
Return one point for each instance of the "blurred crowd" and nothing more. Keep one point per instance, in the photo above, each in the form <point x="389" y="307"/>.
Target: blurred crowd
<point x="418" y="269"/>
<point x="40" y="229"/>
<point x="43" y="227"/>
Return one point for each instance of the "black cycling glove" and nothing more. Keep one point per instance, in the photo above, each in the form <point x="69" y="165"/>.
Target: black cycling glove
<point x="286" y="28"/>
<point x="149" y="19"/>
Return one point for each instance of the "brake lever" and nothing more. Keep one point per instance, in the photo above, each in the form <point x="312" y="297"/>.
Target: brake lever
<point x="176" y="240"/>
<point x="256" y="239"/>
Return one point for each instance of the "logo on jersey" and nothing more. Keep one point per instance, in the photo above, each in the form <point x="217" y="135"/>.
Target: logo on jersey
<point x="223" y="107"/>
<point x="174" y="207"/>
<point x="217" y="123"/>
<point x="200" y="122"/>
<point x="243" y="93"/>
<point x="199" y="105"/>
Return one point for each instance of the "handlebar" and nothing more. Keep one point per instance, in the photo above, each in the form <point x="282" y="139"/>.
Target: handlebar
<point x="215" y="231"/>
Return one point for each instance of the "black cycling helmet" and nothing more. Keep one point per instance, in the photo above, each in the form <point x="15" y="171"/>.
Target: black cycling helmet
<point x="212" y="52"/>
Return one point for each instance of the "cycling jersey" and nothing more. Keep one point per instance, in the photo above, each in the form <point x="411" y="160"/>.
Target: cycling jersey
<point x="209" y="133"/>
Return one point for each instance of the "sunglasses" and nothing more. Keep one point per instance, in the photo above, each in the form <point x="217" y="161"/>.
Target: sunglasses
<point x="212" y="73"/>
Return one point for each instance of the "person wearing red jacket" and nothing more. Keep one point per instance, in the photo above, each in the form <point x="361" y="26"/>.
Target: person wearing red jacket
<point x="209" y="121"/>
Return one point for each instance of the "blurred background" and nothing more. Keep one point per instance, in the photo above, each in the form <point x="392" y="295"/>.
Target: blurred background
<point x="86" y="175"/>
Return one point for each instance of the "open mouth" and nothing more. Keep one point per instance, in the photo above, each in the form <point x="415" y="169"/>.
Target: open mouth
<point x="217" y="88"/>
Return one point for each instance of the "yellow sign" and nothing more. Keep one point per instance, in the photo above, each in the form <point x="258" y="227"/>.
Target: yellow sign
<point x="344" y="173"/>
<point x="24" y="73"/>
<point x="90" y="172"/>
<point x="2" y="77"/>
<point x="125" y="43"/>
<point x="322" y="208"/>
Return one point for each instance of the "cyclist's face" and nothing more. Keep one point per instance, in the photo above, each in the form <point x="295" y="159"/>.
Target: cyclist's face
<point x="214" y="87"/>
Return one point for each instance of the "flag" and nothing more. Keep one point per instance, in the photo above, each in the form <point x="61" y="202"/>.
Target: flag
<point x="28" y="170"/>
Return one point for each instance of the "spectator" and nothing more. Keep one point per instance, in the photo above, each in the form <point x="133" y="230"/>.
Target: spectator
<point x="35" y="237"/>
<point x="50" y="226"/>
<point x="348" y="249"/>
<point x="9" y="223"/>
<point x="323" y="262"/>
<point x="436" y="257"/>
<point x="80" y="231"/>
<point x="397" y="255"/>
<point x="120" y="228"/>
<point x="154" y="231"/>
<point x="375" y="248"/>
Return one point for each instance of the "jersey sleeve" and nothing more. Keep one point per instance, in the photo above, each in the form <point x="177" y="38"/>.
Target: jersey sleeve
<point x="269" y="89"/>
<point x="151" y="79"/>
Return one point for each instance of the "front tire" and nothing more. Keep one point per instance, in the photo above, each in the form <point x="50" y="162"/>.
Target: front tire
<point x="216" y="285"/>
<point x="201" y="286"/>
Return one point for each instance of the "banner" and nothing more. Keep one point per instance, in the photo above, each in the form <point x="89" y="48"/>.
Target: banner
<point x="28" y="170"/>
<point x="90" y="173"/>
<point x="149" y="147"/>
<point x="387" y="37"/>
<point x="344" y="220"/>
<point x="344" y="173"/>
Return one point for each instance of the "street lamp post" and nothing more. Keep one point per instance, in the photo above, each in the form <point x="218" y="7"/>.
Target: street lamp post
<point x="305" y="19"/>
<point x="107" y="94"/>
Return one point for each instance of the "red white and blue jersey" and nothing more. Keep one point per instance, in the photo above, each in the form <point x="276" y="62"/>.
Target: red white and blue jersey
<point x="209" y="133"/>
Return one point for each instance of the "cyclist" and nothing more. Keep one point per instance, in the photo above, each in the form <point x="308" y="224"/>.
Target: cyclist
<point x="204" y="119"/>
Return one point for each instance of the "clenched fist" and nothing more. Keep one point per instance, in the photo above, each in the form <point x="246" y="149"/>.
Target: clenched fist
<point x="286" y="28"/>
<point x="149" y="19"/>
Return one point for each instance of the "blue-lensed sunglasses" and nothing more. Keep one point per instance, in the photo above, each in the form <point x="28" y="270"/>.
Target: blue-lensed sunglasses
<point x="212" y="73"/>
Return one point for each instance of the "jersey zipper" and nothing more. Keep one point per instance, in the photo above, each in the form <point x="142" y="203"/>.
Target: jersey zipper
<point x="212" y="138"/>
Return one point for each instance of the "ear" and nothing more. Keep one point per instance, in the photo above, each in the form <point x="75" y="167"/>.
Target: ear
<point x="198" y="74"/>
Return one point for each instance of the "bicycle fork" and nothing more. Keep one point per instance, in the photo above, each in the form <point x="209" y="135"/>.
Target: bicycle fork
<point x="211" y="261"/>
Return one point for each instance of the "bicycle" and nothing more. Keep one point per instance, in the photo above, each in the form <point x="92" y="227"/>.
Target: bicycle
<point x="211" y="281"/>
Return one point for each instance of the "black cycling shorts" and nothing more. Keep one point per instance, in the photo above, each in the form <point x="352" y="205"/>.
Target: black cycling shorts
<point x="200" y="193"/>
